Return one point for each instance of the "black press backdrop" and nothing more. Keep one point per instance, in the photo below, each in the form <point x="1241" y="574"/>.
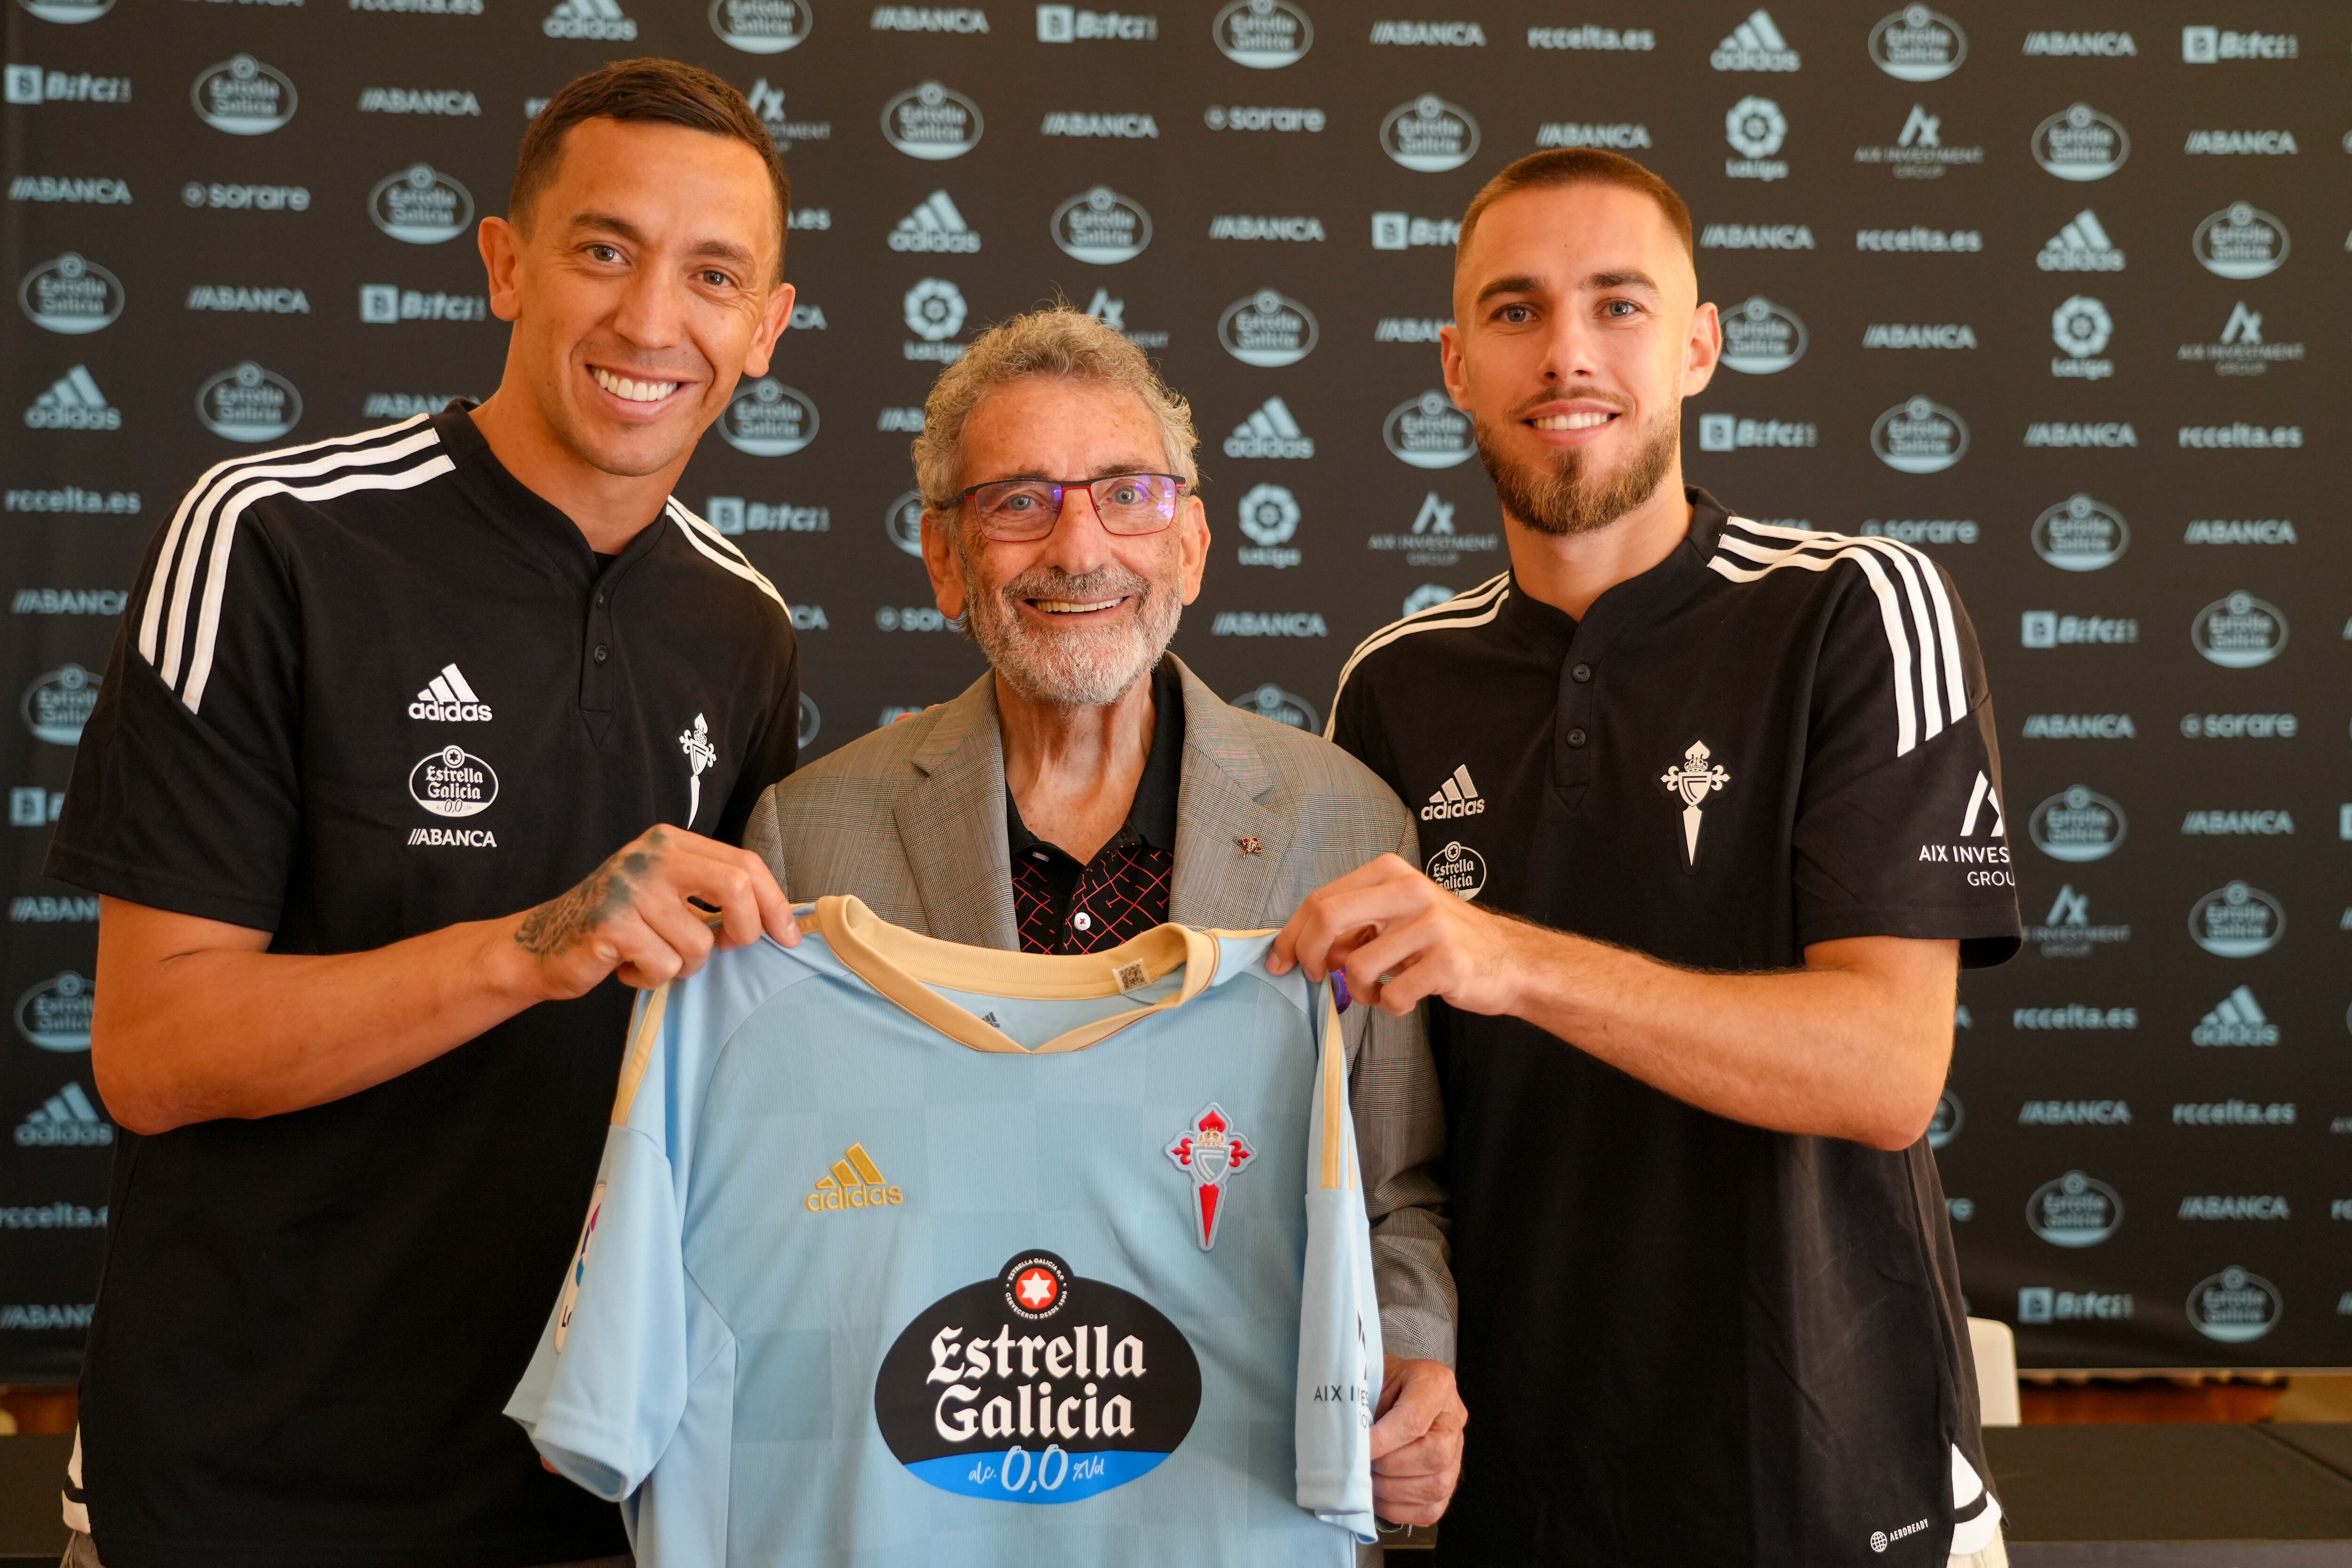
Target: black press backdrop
<point x="2055" y="291"/>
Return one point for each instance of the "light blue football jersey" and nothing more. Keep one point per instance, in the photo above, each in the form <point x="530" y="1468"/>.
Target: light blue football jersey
<point x="903" y="1252"/>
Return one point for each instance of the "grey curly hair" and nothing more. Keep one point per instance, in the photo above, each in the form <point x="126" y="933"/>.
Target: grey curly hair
<point x="1058" y="341"/>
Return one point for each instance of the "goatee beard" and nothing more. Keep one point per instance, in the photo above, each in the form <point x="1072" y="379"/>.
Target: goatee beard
<point x="1081" y="667"/>
<point x="1560" y="498"/>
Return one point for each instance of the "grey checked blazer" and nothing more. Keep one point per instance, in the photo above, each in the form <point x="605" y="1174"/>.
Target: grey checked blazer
<point x="910" y="819"/>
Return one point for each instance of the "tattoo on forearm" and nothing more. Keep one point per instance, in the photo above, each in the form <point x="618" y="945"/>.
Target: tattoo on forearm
<point x="579" y="909"/>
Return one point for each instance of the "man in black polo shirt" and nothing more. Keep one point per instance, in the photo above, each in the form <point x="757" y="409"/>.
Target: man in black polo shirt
<point x="373" y="697"/>
<point x="1710" y="1313"/>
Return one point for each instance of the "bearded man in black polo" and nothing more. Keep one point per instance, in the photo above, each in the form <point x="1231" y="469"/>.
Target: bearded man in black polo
<point x="1711" y="817"/>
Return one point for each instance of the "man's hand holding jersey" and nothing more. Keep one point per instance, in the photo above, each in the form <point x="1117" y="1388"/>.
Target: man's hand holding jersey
<point x="1855" y="1044"/>
<point x="1416" y="1442"/>
<point x="631" y="917"/>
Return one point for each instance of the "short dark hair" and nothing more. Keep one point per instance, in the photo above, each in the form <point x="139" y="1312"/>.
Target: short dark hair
<point x="1582" y="166"/>
<point x="648" y="90"/>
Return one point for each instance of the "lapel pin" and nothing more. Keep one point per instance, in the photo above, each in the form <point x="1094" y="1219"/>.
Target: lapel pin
<point x="1249" y="845"/>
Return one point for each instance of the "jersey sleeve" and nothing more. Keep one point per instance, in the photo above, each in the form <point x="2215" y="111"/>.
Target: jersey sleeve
<point x="186" y="789"/>
<point x="1339" y="1355"/>
<point x="1899" y="827"/>
<point x="774" y="754"/>
<point x="607" y="1386"/>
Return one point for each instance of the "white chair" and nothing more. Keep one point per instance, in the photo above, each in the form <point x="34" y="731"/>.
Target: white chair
<point x="1994" y="1346"/>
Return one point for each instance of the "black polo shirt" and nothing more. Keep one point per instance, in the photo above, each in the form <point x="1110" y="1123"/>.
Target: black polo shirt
<point x="365" y="689"/>
<point x="1062" y="906"/>
<point x="1684" y="1340"/>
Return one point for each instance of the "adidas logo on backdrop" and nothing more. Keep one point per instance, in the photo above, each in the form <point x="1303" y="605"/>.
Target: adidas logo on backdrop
<point x="66" y="1121"/>
<point x="2236" y="1021"/>
<point x="934" y="226"/>
<point x="2081" y="245"/>
<point x="449" y="699"/>
<point x="1270" y="431"/>
<point x="598" y="19"/>
<point x="74" y="402"/>
<point x="854" y="1182"/>
<point x="1755" y="45"/>
<point x="1458" y="796"/>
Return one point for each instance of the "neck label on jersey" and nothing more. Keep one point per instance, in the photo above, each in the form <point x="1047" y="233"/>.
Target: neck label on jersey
<point x="1037" y="1386"/>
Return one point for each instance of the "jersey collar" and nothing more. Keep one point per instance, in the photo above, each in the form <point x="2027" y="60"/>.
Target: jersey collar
<point x="543" y="526"/>
<point x="1630" y="603"/>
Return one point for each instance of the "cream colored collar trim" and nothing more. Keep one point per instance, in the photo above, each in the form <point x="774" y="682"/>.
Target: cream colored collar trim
<point x="904" y="965"/>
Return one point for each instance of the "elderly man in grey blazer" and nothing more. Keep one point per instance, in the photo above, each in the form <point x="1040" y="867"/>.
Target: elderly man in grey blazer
<point x="1089" y="786"/>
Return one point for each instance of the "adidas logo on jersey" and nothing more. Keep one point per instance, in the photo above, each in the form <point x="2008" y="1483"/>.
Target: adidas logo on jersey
<point x="450" y="701"/>
<point x="67" y="1120"/>
<point x="74" y="402"/>
<point x="1270" y="431"/>
<point x="854" y="1183"/>
<point x="1458" y="796"/>
<point x="2238" y="1021"/>
<point x="935" y="225"/>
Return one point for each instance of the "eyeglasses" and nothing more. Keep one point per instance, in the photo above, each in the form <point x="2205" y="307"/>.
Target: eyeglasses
<point x="1021" y="512"/>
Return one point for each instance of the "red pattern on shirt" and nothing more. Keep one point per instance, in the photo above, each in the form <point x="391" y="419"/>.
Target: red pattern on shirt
<point x="1123" y="892"/>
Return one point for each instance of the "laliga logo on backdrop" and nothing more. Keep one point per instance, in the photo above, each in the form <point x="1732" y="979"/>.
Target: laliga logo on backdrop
<point x="2237" y="921"/>
<point x="248" y="404"/>
<point x="2080" y="534"/>
<point x="1263" y="34"/>
<point x="1429" y="135"/>
<point x="2239" y="632"/>
<point x="70" y="295"/>
<point x="1760" y="337"/>
<point x="1269" y="514"/>
<point x="2236" y="1307"/>
<point x="2075" y="1210"/>
<point x="1919" y="437"/>
<point x="1429" y="432"/>
<point x="2081" y="327"/>
<point x="244" y="97"/>
<point x="1916" y="44"/>
<point x="768" y="419"/>
<point x="421" y="205"/>
<point x="904" y="523"/>
<point x="1101" y="227"/>
<point x="55" y="1015"/>
<point x="761" y="27"/>
<point x="1756" y="129"/>
<point x="1267" y="329"/>
<point x="932" y="123"/>
<point x="2240" y="241"/>
<point x="2078" y="825"/>
<point x="2081" y="143"/>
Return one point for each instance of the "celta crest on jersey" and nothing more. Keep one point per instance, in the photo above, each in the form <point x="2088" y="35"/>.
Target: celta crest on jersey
<point x="1210" y="1151"/>
<point x="699" y="754"/>
<point x="1693" y="779"/>
<point x="1037" y="1386"/>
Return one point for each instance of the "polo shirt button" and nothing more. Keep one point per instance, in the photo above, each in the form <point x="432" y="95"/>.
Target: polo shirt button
<point x="1083" y="920"/>
<point x="1583" y="672"/>
<point x="1576" y="737"/>
<point x="603" y="653"/>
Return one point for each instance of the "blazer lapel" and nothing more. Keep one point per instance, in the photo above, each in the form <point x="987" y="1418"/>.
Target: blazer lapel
<point x="952" y="824"/>
<point x="1229" y="846"/>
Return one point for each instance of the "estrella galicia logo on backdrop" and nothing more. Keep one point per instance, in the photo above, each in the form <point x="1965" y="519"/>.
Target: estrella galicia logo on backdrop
<point x="1101" y="227"/>
<point x="1916" y="44"/>
<point x="904" y="523"/>
<point x="69" y="10"/>
<point x="453" y="782"/>
<point x="1267" y="329"/>
<point x="1038" y="1386"/>
<point x="768" y="419"/>
<point x="2077" y="825"/>
<point x="1271" y="701"/>
<point x="761" y="27"/>
<point x="2239" y="632"/>
<point x="1760" y="337"/>
<point x="1428" y="432"/>
<point x="2237" y="921"/>
<point x="71" y="295"/>
<point x="1918" y="436"/>
<point x="56" y="705"/>
<point x="2240" y="241"/>
<point x="1945" y="1124"/>
<point x="932" y="123"/>
<point x="248" y="403"/>
<point x="1263" y="34"/>
<point x="2075" y="1210"/>
<point x="2078" y="143"/>
<point x="421" y="205"/>
<point x="244" y="97"/>
<point x="2236" y="1307"/>
<point x="1429" y="135"/>
<point x="55" y="1015"/>
<point x="2080" y="534"/>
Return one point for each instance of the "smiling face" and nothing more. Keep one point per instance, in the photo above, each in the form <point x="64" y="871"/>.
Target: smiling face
<point x="1580" y="334"/>
<point x="1076" y="618"/>
<point x="642" y="285"/>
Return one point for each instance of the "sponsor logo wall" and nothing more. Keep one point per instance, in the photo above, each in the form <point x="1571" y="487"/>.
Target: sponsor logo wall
<point x="2051" y="295"/>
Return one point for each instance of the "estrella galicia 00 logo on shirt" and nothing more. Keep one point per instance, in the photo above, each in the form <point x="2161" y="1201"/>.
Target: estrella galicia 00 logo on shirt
<point x="453" y="782"/>
<point x="1037" y="1386"/>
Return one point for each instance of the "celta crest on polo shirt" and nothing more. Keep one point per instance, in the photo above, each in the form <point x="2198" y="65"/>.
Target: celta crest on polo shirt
<point x="699" y="754"/>
<point x="1696" y="777"/>
<point x="1212" y="1152"/>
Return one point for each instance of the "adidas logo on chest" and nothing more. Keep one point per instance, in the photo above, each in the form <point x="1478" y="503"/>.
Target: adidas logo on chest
<point x="1458" y="796"/>
<point x="449" y="699"/>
